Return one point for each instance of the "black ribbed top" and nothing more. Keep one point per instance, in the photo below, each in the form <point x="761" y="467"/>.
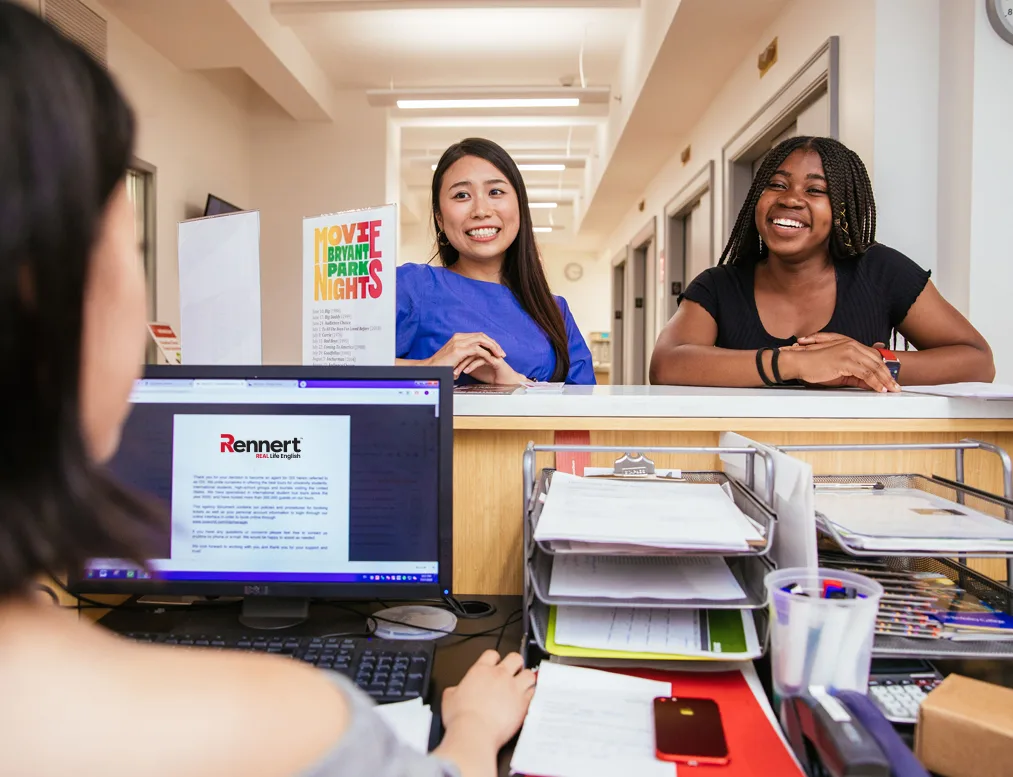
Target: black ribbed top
<point x="874" y="293"/>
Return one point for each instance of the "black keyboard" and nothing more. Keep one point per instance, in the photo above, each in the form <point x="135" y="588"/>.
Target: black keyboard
<point x="387" y="670"/>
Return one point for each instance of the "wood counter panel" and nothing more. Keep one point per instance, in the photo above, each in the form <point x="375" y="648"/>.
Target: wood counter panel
<point x="488" y="480"/>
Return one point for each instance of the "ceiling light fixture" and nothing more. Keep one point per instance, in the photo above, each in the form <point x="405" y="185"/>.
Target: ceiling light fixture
<point x="542" y="229"/>
<point x="530" y="169"/>
<point x="543" y="205"/>
<point x="489" y="102"/>
<point x="541" y="168"/>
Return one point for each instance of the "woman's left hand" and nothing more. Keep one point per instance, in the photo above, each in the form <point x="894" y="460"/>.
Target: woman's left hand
<point x="493" y="370"/>
<point x="821" y="340"/>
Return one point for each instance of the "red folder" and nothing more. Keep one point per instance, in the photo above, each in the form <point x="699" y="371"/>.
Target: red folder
<point x="754" y="747"/>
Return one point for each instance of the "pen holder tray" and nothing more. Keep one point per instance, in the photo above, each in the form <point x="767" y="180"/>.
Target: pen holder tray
<point x="744" y="498"/>
<point x="982" y="502"/>
<point x="748" y="571"/>
<point x="538" y="629"/>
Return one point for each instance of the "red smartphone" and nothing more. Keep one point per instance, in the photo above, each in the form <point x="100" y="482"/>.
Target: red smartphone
<point x="689" y="731"/>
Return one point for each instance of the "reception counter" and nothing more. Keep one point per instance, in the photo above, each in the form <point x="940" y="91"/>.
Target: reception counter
<point x="492" y="430"/>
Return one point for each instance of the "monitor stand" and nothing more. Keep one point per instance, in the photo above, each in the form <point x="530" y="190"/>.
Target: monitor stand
<point x="270" y="613"/>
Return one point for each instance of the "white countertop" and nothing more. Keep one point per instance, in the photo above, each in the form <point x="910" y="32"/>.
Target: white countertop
<point x="696" y="402"/>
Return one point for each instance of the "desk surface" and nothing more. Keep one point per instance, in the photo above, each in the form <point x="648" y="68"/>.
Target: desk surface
<point x="694" y="402"/>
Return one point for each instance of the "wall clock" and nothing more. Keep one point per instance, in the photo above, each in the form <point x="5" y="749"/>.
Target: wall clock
<point x="573" y="271"/>
<point x="1000" y="15"/>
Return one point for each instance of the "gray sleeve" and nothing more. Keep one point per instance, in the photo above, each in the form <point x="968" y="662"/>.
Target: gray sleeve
<point x="369" y="747"/>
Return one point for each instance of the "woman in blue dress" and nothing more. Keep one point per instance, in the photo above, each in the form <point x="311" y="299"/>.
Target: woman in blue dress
<point x="487" y="312"/>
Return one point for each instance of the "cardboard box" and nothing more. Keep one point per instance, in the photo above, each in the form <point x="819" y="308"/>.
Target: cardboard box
<point x="965" y="729"/>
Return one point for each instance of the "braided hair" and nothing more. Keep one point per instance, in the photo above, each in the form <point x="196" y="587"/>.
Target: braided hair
<point x="849" y="190"/>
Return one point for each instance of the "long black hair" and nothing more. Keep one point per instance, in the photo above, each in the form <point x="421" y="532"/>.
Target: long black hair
<point x="849" y="190"/>
<point x="522" y="267"/>
<point x="66" y="138"/>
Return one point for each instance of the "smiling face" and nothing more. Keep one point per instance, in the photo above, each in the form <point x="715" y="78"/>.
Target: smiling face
<point x="794" y="215"/>
<point x="479" y="210"/>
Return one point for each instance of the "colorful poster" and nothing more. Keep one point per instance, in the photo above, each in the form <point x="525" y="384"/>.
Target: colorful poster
<point x="167" y="342"/>
<point x="349" y="305"/>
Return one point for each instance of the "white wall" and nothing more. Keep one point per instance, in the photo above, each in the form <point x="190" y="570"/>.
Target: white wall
<point x="906" y="130"/>
<point x="304" y="169"/>
<point x="991" y="249"/>
<point x="588" y="298"/>
<point x="801" y="29"/>
<point x="198" y="140"/>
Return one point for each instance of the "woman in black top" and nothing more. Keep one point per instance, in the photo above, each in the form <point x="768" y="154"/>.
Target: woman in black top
<point x="803" y="292"/>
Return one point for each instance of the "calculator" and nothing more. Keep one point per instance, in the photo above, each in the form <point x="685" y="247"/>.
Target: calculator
<point x="897" y="687"/>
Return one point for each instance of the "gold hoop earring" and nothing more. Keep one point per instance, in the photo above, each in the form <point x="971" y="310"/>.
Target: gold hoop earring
<point x="441" y="239"/>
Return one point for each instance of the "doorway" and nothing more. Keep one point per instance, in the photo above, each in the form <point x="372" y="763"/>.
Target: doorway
<point x="807" y="104"/>
<point x="689" y="241"/>
<point x="618" y="307"/>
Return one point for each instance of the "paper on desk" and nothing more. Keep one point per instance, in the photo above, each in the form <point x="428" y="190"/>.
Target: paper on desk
<point x="966" y="390"/>
<point x="726" y="634"/>
<point x="644" y="577"/>
<point x="650" y="513"/>
<point x="795" y="539"/>
<point x="412" y="721"/>
<point x="905" y="513"/>
<point x="589" y="723"/>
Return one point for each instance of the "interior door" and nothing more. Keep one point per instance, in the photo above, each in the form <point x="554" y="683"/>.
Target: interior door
<point x="636" y="305"/>
<point x="618" y="309"/>
<point x="699" y="251"/>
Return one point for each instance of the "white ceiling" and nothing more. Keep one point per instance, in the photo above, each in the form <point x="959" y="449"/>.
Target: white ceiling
<point x="438" y="47"/>
<point x="300" y="52"/>
<point x="441" y="47"/>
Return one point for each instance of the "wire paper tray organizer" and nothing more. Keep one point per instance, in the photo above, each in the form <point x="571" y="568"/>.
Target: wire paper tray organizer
<point x="748" y="566"/>
<point x="993" y="592"/>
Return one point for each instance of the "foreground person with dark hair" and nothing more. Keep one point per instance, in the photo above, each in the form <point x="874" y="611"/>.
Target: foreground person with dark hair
<point x="75" y="699"/>
<point x="803" y="293"/>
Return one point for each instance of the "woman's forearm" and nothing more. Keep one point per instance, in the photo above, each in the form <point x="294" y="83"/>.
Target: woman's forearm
<point x="946" y="364"/>
<point x="410" y="362"/>
<point x="469" y="747"/>
<point x="708" y="365"/>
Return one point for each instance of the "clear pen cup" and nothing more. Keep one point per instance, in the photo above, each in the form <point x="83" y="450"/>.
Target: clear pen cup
<point x="818" y="641"/>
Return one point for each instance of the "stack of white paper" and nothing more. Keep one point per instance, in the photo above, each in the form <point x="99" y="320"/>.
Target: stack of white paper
<point x="410" y="720"/>
<point x="644" y="577"/>
<point x="659" y="630"/>
<point x="966" y="390"/>
<point x="589" y="723"/>
<point x="907" y="519"/>
<point x="648" y="514"/>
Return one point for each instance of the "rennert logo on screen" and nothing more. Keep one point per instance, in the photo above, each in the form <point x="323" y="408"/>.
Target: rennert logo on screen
<point x="265" y="449"/>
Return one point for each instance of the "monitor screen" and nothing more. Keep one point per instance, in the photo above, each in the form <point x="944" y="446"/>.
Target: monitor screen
<point x="216" y="206"/>
<point x="290" y="481"/>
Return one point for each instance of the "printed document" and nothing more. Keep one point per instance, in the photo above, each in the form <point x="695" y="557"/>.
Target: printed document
<point x="897" y="513"/>
<point x="653" y="514"/>
<point x="259" y="493"/>
<point x="589" y="723"/>
<point x="729" y="634"/>
<point x="644" y="577"/>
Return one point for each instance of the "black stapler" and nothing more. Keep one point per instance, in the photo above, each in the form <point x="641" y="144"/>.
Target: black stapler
<point x="828" y="740"/>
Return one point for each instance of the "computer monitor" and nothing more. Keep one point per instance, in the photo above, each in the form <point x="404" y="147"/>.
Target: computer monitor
<point x="215" y="206"/>
<point x="283" y="484"/>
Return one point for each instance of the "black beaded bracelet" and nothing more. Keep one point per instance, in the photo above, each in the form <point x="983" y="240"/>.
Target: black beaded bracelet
<point x="773" y="366"/>
<point x="759" y="366"/>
